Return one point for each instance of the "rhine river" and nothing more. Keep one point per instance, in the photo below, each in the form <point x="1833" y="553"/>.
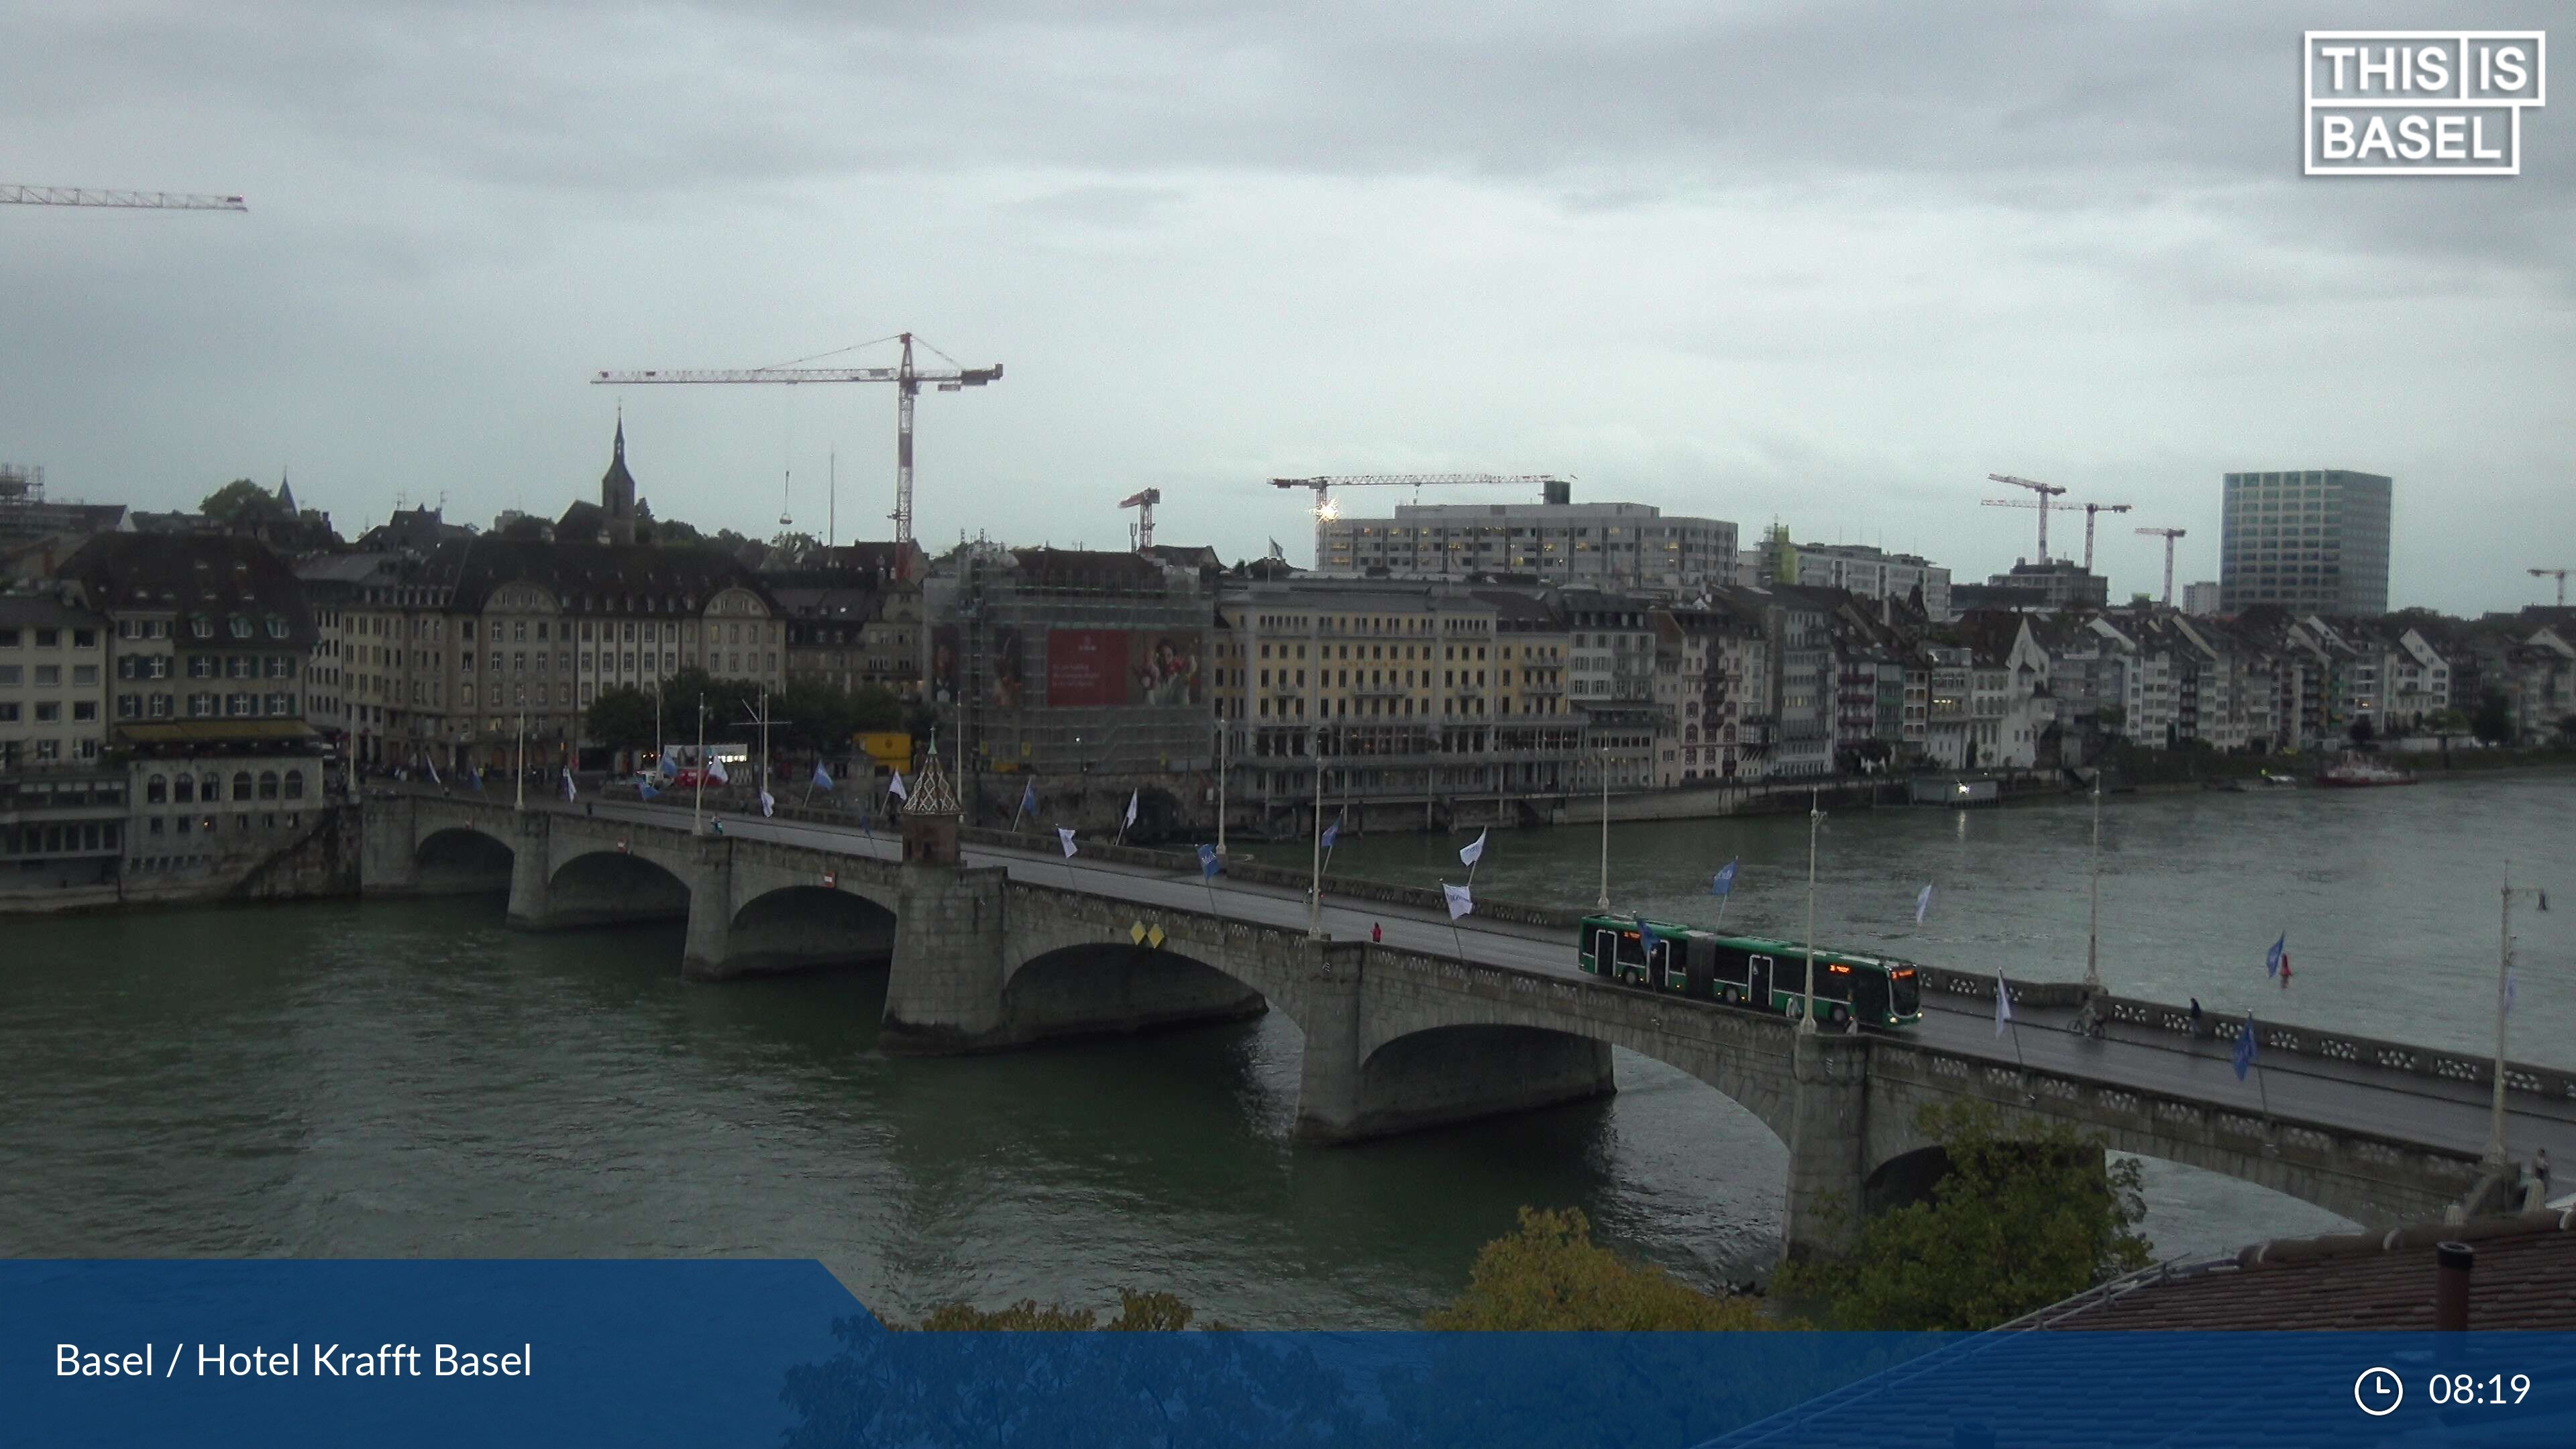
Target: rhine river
<point x="413" y="1079"/>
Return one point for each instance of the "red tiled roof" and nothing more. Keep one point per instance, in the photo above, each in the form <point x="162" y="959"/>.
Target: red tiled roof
<point x="2525" y="1278"/>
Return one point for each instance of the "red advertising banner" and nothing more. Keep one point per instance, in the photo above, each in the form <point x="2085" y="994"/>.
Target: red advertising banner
<point x="1086" y="668"/>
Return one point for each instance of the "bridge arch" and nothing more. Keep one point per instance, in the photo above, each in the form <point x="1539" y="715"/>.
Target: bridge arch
<point x="1097" y="987"/>
<point x="600" y="887"/>
<point x="462" y="859"/>
<point x="1448" y="1074"/>
<point x="796" y="926"/>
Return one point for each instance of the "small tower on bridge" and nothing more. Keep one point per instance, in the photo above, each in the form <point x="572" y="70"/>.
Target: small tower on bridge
<point x="931" y="815"/>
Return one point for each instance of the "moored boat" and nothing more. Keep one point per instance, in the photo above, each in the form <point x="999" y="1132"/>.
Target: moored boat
<point x="2359" y="771"/>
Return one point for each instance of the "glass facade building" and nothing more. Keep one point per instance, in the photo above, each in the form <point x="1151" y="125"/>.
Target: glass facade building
<point x="2313" y="542"/>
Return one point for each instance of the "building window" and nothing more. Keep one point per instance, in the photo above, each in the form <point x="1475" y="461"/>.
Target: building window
<point x="295" y="784"/>
<point x="241" y="785"/>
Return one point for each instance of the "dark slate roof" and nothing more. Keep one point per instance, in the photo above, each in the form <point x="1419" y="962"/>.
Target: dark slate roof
<point x="46" y="611"/>
<point x="857" y="563"/>
<point x="591" y="576"/>
<point x="195" y="575"/>
<point x="1521" y="608"/>
<point x="2525" y="1278"/>
<point x="581" y="522"/>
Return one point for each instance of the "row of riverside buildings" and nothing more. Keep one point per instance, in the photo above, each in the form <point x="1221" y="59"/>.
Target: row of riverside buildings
<point x="167" y="695"/>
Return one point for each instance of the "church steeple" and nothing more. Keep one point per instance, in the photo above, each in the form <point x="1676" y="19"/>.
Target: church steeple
<point x="617" y="488"/>
<point x="285" y="493"/>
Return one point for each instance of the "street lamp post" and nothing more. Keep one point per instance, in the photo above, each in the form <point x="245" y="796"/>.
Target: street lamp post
<point x="2495" y="1157"/>
<point x="1603" y="904"/>
<point x="521" y="802"/>
<point x="1815" y="821"/>
<point x="698" y="800"/>
<point x="1222" y="732"/>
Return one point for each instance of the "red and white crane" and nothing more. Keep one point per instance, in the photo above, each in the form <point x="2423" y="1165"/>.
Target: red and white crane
<point x="2561" y="576"/>
<point x="904" y="375"/>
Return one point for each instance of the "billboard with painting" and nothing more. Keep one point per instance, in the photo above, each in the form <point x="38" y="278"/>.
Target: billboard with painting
<point x="1109" y="668"/>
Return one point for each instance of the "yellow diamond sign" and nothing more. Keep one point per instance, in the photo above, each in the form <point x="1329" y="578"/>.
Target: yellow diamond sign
<point x="1156" y="937"/>
<point x="1136" y="933"/>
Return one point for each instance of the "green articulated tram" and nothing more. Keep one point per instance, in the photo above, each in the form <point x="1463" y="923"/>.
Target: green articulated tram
<point x="1750" y="971"/>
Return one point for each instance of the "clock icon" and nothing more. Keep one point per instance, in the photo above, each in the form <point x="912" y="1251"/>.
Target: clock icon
<point x="2378" y="1392"/>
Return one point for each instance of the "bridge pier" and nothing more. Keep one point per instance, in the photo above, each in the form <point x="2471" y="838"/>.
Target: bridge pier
<point x="709" y="952"/>
<point x="388" y="862"/>
<point x="531" y="873"/>
<point x="944" y="990"/>
<point x="1828" y="1145"/>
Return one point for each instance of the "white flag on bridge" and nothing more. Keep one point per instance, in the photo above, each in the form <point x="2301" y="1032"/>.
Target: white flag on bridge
<point x="1460" y="902"/>
<point x="1065" y="833"/>
<point x="2003" y="1007"/>
<point x="1474" y="852"/>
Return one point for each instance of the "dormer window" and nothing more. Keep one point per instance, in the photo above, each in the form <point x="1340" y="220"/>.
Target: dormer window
<point x="202" y="628"/>
<point x="240" y="627"/>
<point x="276" y="627"/>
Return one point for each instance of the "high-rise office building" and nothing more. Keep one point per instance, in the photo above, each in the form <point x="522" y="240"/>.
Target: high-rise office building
<point x="2313" y="542"/>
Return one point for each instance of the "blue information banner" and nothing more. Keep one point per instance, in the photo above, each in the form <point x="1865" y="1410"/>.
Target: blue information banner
<point x="779" y="1354"/>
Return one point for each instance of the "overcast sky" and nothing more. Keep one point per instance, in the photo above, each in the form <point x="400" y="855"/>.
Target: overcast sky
<point x="1833" y="264"/>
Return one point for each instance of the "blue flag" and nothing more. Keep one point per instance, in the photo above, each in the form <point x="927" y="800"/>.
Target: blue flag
<point x="478" y="778"/>
<point x="822" y="777"/>
<point x="1207" y="862"/>
<point x="2245" y="1048"/>
<point x="646" y="790"/>
<point x="668" y="770"/>
<point x="1725" y="882"/>
<point x="1332" y="833"/>
<point x="1029" y="798"/>
<point x="2273" y="958"/>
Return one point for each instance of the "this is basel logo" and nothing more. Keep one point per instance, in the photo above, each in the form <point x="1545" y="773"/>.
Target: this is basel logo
<point x="2421" y="102"/>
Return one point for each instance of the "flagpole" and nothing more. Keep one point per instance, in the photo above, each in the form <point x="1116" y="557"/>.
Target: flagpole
<point x="1815" y="820"/>
<point x="1603" y="904"/>
<point x="521" y="802"/>
<point x="1315" y="891"/>
<point x="2093" y="934"/>
<point x="1222" y="731"/>
<point x="698" y="799"/>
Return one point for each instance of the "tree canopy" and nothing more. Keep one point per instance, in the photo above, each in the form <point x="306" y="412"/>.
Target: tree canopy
<point x="2493" y="722"/>
<point x="242" y="504"/>
<point x="2021" y="1221"/>
<point x="1550" y="1276"/>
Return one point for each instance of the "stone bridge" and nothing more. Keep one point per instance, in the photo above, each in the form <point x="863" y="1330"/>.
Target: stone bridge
<point x="983" y="959"/>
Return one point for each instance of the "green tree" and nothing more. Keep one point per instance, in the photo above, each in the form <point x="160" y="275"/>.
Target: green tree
<point x="2567" y="731"/>
<point x="1137" y="1313"/>
<point x="621" y="719"/>
<point x="242" y="504"/>
<point x="2027" y="1216"/>
<point x="2494" y="721"/>
<point x="1549" y="1275"/>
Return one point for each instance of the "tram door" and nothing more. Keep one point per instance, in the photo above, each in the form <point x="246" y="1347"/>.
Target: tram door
<point x="1605" y="954"/>
<point x="1702" y="969"/>
<point x="1760" y="994"/>
<point x="1659" y="966"/>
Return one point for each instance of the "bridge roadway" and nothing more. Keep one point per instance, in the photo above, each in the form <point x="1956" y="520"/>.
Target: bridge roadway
<point x="2356" y="1096"/>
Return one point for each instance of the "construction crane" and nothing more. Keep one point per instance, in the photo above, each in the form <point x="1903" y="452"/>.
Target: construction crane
<point x="2045" y="491"/>
<point x="2561" y="576"/>
<point x="906" y="378"/>
<point x="2168" y="535"/>
<point x="1143" y="503"/>
<point x="2089" y="510"/>
<point x="1326" y="512"/>
<point x="146" y="200"/>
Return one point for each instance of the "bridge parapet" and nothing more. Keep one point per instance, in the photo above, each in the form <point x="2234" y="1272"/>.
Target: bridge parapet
<point x="2375" y="1180"/>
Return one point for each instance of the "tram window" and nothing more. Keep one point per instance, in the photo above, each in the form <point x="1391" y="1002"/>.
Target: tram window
<point x="1731" y="965"/>
<point x="1632" y="949"/>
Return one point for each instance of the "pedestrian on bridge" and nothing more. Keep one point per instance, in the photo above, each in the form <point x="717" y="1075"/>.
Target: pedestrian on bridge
<point x="1377" y="933"/>
<point x="2197" y="1027"/>
<point x="2540" y="1172"/>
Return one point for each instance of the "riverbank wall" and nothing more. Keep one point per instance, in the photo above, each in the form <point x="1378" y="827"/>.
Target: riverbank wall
<point x="319" y="862"/>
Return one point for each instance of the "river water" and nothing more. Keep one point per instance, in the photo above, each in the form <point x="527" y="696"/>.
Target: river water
<point x="400" y="1079"/>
